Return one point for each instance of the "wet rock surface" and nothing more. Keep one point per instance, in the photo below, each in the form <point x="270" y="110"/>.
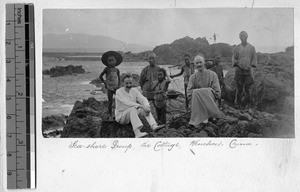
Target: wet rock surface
<point x="64" y="70"/>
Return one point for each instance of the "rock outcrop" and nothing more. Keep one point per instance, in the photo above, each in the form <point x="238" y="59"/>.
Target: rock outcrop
<point x="89" y="119"/>
<point x="53" y="121"/>
<point x="64" y="70"/>
<point x="273" y="82"/>
<point x="173" y="53"/>
<point x="85" y="119"/>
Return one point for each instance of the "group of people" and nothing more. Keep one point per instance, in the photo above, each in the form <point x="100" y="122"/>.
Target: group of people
<point x="202" y="87"/>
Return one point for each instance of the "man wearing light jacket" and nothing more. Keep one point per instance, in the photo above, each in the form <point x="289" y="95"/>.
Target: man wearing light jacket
<point x="129" y="104"/>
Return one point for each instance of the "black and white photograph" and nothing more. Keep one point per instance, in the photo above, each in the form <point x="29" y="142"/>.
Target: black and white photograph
<point x="148" y="73"/>
<point x="149" y="95"/>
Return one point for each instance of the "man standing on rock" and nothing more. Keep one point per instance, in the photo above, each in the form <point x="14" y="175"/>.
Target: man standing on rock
<point x="244" y="58"/>
<point x="148" y="75"/>
<point x="130" y="103"/>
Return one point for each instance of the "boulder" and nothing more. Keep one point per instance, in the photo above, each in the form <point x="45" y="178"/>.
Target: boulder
<point x="97" y="82"/>
<point x="79" y="69"/>
<point x="115" y="130"/>
<point x="58" y="71"/>
<point x="85" y="119"/>
<point x="70" y="69"/>
<point x="53" y="121"/>
<point x="46" y="72"/>
<point x="64" y="70"/>
<point x="273" y="81"/>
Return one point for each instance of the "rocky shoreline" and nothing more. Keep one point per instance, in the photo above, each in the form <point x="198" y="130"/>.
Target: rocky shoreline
<point x="64" y="70"/>
<point x="89" y="119"/>
<point x="271" y="114"/>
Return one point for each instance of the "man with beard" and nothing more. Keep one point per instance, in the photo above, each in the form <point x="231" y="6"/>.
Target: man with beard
<point x="203" y="90"/>
<point x="244" y="58"/>
<point x="130" y="103"/>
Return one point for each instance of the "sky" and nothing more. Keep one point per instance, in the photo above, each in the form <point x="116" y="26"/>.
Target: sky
<point x="269" y="29"/>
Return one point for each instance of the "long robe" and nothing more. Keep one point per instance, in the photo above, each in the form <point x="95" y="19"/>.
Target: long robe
<point x="203" y="89"/>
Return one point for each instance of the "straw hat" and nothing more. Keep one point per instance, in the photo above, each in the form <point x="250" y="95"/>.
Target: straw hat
<point x="115" y="54"/>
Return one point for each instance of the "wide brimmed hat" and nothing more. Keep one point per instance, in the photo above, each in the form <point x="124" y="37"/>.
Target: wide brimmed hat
<point x="107" y="54"/>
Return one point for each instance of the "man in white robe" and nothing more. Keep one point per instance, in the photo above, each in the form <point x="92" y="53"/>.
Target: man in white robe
<point x="129" y="104"/>
<point x="204" y="90"/>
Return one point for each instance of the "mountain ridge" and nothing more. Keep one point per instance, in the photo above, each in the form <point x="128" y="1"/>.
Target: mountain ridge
<point x="80" y="42"/>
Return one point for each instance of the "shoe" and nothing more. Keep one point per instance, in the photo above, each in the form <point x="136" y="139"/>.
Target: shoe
<point x="139" y="134"/>
<point x="156" y="127"/>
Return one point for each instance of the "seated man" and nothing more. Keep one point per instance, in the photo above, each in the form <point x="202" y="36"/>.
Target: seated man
<point x="129" y="104"/>
<point x="203" y="89"/>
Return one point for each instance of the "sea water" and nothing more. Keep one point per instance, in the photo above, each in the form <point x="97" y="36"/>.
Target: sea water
<point x="60" y="93"/>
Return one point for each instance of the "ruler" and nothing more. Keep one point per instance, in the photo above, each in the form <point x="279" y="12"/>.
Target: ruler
<point x="20" y="96"/>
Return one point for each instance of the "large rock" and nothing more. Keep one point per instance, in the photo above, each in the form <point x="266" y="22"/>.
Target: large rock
<point x="173" y="53"/>
<point x="258" y="124"/>
<point x="273" y="81"/>
<point x="53" y="121"/>
<point x="64" y="70"/>
<point x="89" y="119"/>
<point x="85" y="119"/>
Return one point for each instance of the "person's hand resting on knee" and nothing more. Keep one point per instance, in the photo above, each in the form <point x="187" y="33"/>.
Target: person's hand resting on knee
<point x="145" y="110"/>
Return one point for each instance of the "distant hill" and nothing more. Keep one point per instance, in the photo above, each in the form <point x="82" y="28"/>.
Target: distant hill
<point x="79" y="42"/>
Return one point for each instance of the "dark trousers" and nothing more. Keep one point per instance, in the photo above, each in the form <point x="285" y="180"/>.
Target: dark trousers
<point x="243" y="84"/>
<point x="186" y="97"/>
<point x="110" y="95"/>
<point x="161" y="115"/>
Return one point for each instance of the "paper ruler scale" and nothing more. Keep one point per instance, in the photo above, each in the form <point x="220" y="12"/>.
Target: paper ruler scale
<point x="20" y="96"/>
